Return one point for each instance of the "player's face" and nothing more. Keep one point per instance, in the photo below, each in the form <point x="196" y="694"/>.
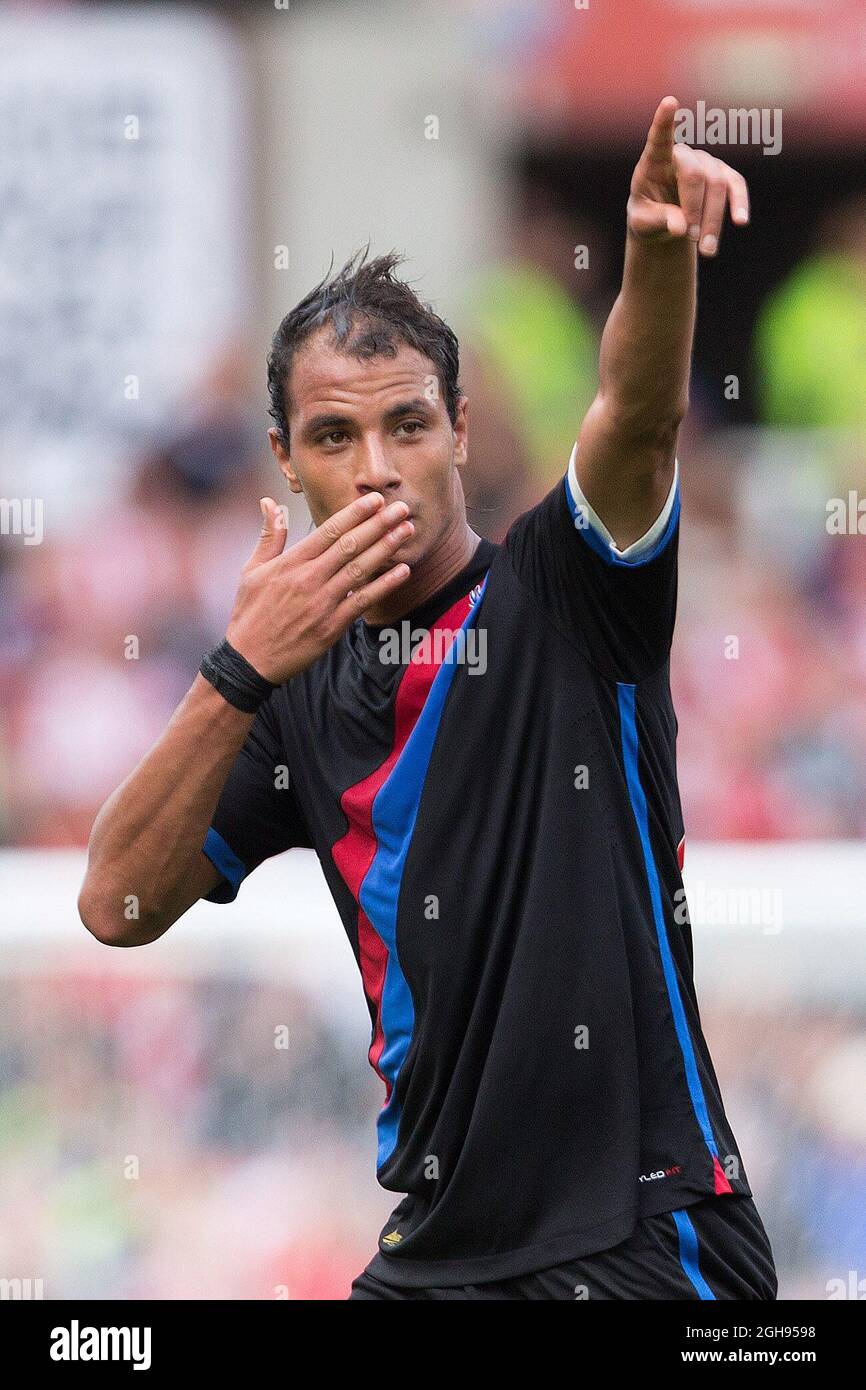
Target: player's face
<point x="376" y="425"/>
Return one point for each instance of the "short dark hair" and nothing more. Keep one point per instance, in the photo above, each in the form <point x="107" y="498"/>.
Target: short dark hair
<point x="364" y="295"/>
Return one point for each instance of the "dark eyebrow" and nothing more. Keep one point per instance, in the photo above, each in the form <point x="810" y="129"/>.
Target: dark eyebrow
<point x="324" y="422"/>
<point x="318" y="423"/>
<point x="416" y="407"/>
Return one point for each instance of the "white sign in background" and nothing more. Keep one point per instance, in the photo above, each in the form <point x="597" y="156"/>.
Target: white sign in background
<point x="123" y="234"/>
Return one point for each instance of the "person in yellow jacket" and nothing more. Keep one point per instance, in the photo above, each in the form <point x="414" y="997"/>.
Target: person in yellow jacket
<point x="535" y="346"/>
<point x="810" y="342"/>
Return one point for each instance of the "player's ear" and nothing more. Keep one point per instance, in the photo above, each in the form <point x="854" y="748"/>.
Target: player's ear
<point x="283" y="458"/>
<point x="461" y="431"/>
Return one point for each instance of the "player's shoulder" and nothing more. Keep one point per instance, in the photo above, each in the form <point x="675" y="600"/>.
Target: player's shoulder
<point x="538" y="537"/>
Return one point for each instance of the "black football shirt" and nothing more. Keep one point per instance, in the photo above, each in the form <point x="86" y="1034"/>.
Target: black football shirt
<point x="490" y="787"/>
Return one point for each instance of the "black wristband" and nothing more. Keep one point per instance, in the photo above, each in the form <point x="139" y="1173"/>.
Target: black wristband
<point x="235" y="679"/>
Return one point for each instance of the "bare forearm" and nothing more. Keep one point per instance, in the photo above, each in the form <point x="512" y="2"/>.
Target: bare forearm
<point x="647" y="342"/>
<point x="626" y="449"/>
<point x="145" y="865"/>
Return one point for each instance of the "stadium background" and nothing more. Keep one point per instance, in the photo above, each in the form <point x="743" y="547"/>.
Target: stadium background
<point x="196" y="1119"/>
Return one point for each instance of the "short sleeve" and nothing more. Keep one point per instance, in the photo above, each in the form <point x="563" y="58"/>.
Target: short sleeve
<point x="619" y="606"/>
<point x="258" y="814"/>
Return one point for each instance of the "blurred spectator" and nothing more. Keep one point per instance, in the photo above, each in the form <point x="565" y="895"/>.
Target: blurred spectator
<point x="811" y="335"/>
<point x="535" y="349"/>
<point x="104" y="626"/>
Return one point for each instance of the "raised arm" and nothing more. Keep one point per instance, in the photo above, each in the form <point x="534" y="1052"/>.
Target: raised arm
<point x="627" y="443"/>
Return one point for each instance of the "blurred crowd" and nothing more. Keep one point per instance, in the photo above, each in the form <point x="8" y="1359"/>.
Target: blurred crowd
<point x="103" y="624"/>
<point x="156" y="1144"/>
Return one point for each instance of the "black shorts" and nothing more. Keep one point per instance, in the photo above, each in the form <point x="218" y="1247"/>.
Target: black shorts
<point x="714" y="1249"/>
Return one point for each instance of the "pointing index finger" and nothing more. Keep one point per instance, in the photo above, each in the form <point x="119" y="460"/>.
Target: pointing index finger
<point x="660" y="140"/>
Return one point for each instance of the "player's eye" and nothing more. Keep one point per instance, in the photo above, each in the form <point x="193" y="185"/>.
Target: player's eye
<point x="413" y="425"/>
<point x="332" y="437"/>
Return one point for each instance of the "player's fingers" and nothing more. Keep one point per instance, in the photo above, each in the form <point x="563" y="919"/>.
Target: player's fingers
<point x="660" y="140"/>
<point x="648" y="218"/>
<point x="712" y="217"/>
<point x="361" y="567"/>
<point x="691" y="181"/>
<point x="352" y="545"/>
<point x="676" y="220"/>
<point x="738" y="196"/>
<point x="359" y="600"/>
<point x="323" y="537"/>
<point x="273" y="533"/>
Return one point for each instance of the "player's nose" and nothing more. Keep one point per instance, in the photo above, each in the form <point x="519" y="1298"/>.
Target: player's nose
<point x="374" y="471"/>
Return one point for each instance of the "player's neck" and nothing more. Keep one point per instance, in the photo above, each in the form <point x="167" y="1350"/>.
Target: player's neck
<point x="437" y="569"/>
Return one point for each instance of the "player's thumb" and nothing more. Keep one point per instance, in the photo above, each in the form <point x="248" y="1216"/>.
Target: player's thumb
<point x="650" y="219"/>
<point x="272" y="539"/>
